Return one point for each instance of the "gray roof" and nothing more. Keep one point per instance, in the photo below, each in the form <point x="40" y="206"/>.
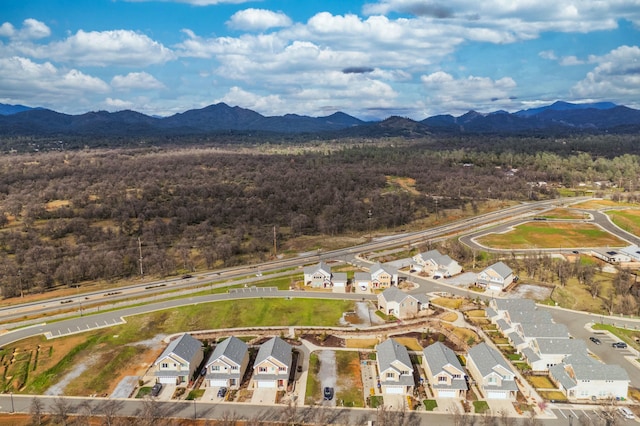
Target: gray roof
<point x="503" y="325"/>
<point x="530" y="355"/>
<point x="362" y="276"/>
<point x="437" y="257"/>
<point x="438" y="356"/>
<point x="516" y="316"/>
<point x="276" y="348"/>
<point x="561" y="346"/>
<point x="490" y="312"/>
<point x="185" y="347"/>
<point x="542" y="330"/>
<point x="320" y="266"/>
<point x="516" y="339"/>
<point x="390" y="351"/>
<point x="514" y="304"/>
<point x="585" y="368"/>
<point x="394" y="294"/>
<point x="340" y="276"/>
<point x="486" y="359"/>
<point x="391" y="270"/>
<point x="232" y="348"/>
<point x="501" y="269"/>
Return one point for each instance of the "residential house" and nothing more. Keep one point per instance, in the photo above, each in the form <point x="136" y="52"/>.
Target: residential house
<point x="383" y="276"/>
<point x="362" y="282"/>
<point x="496" y="277"/>
<point x="401" y="305"/>
<point x="444" y="371"/>
<point x="272" y="365"/>
<point x="227" y="363"/>
<point x="395" y="368"/>
<point x="318" y="276"/>
<point x="544" y="353"/>
<point x="492" y="373"/>
<point x="633" y="252"/>
<point x="340" y="282"/>
<point x="435" y="264"/>
<point x="180" y="361"/>
<point x="581" y="377"/>
<point x="611" y="256"/>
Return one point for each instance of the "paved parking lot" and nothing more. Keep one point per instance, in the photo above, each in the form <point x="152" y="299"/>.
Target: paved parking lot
<point x="588" y="415"/>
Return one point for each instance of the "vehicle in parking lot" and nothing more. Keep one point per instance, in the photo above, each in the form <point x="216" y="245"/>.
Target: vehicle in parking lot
<point x="156" y="389"/>
<point x="620" y="345"/>
<point x="595" y="340"/>
<point x="626" y="413"/>
<point x="328" y="393"/>
<point x="222" y="392"/>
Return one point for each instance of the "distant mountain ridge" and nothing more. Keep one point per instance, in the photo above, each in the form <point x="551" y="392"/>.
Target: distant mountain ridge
<point x="559" y="117"/>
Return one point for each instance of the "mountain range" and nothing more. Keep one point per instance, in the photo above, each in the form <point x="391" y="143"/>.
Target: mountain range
<point x="559" y="117"/>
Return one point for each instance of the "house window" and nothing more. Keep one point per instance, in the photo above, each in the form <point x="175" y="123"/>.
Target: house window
<point x="390" y="375"/>
<point x="234" y="368"/>
<point x="491" y="380"/>
<point x="442" y="379"/>
<point x="456" y="376"/>
<point x="262" y="369"/>
<point x="215" y="368"/>
<point x="164" y="365"/>
<point x="282" y="369"/>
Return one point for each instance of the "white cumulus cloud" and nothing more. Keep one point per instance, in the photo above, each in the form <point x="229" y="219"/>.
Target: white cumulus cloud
<point x="136" y="80"/>
<point x="258" y="20"/>
<point x="617" y="75"/>
<point x="32" y="29"/>
<point x="446" y="93"/>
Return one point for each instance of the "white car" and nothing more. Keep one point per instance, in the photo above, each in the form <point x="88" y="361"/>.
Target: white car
<point x="626" y="413"/>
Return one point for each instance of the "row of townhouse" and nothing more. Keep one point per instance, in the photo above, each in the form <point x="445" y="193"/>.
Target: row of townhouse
<point x="623" y="255"/>
<point x="227" y="364"/>
<point x="444" y="372"/>
<point x="548" y="348"/>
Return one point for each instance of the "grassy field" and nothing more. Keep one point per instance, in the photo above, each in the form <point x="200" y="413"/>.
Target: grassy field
<point x="313" y="384"/>
<point x="629" y="220"/>
<point x="534" y="235"/>
<point x="480" y="407"/>
<point x="563" y="214"/>
<point x="599" y="204"/>
<point x="541" y="382"/>
<point x="411" y="343"/>
<point x="34" y="365"/>
<point x="350" y="390"/>
<point x="447" y="302"/>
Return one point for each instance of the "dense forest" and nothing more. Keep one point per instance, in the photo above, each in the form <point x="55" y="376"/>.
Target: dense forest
<point x="67" y="217"/>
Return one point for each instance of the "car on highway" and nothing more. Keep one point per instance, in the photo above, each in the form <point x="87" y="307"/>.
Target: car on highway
<point x="328" y="393"/>
<point x="619" y="345"/>
<point x="156" y="389"/>
<point x="595" y="340"/>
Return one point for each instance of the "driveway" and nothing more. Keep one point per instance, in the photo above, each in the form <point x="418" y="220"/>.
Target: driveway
<point x="395" y="402"/>
<point x="327" y="374"/>
<point x="264" y="396"/>
<point x="501" y="406"/>
<point x="449" y="405"/>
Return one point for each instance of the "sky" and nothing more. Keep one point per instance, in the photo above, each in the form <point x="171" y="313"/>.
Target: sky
<point x="371" y="59"/>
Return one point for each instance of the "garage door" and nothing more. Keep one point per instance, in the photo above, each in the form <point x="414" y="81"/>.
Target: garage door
<point x="394" y="390"/>
<point x="267" y="384"/>
<point x="167" y="380"/>
<point x="497" y="395"/>
<point x="446" y="394"/>
<point x="495" y="287"/>
<point x="214" y="383"/>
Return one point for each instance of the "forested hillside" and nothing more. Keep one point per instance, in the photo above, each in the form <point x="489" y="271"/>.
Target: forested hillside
<point x="69" y="217"/>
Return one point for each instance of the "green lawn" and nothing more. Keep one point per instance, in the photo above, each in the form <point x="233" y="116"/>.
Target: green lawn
<point x="480" y="406"/>
<point x="430" y="404"/>
<point x="629" y="220"/>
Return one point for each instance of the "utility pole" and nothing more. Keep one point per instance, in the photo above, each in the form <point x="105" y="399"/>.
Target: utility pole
<point x="436" y="201"/>
<point x="140" y="251"/>
<point x="369" y="215"/>
<point x="275" y="243"/>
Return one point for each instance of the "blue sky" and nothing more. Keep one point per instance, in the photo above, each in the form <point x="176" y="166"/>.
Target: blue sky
<point x="370" y="59"/>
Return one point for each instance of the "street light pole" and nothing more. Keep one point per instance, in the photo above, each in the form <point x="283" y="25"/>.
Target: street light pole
<point x="13" y="410"/>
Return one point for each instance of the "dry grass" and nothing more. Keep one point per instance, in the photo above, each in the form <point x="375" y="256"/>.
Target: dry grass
<point x="629" y="220"/>
<point x="447" y="302"/>
<point x="477" y="313"/>
<point x="361" y="343"/>
<point x="406" y="184"/>
<point x="533" y="235"/>
<point x="541" y="382"/>
<point x="56" y="204"/>
<point x="563" y="214"/>
<point x="555" y="395"/>
<point x="410" y="342"/>
<point x="598" y="204"/>
<point x="449" y="316"/>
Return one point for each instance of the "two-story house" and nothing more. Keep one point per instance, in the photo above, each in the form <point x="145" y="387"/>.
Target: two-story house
<point x="395" y="368"/>
<point x="492" y="373"/>
<point x="401" y="305"/>
<point x="227" y="363"/>
<point x="383" y="276"/>
<point x="179" y="362"/>
<point x="272" y="365"/>
<point x="444" y="371"/>
<point x="496" y="277"/>
<point x="318" y="276"/>
<point x="434" y="263"/>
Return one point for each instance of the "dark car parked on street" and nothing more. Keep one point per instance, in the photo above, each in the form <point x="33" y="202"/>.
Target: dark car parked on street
<point x="328" y="393"/>
<point x="156" y="389"/>
<point x="620" y="345"/>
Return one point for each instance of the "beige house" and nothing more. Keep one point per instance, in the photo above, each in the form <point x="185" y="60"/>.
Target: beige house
<point x="383" y="276"/>
<point x="272" y="365"/>
<point x="179" y="362"/>
<point x="444" y="371"/>
<point x="496" y="277"/>
<point x="227" y="364"/>
<point x="492" y="373"/>
<point x="396" y="370"/>
<point x="318" y="276"/>
<point x="401" y="305"/>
